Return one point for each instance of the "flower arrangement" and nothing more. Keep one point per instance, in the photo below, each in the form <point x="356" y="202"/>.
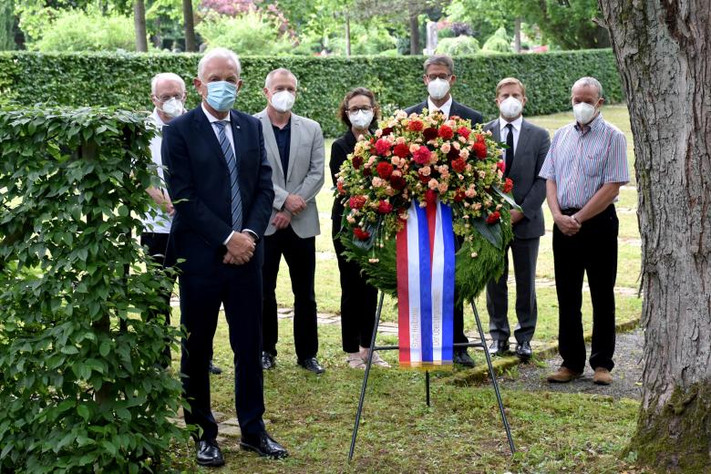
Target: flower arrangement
<point x="423" y="158"/>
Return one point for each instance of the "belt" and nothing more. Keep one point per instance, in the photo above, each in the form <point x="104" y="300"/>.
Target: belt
<point x="569" y="211"/>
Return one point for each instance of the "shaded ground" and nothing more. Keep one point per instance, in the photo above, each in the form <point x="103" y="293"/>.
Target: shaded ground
<point x="627" y="373"/>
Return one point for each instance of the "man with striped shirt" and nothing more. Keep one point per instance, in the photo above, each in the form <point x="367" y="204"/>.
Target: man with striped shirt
<point x="584" y="169"/>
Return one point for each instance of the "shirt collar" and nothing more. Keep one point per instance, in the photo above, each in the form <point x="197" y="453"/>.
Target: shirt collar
<point x="446" y="107"/>
<point x="516" y="123"/>
<point x="593" y="125"/>
<point x="156" y="118"/>
<point x="212" y="118"/>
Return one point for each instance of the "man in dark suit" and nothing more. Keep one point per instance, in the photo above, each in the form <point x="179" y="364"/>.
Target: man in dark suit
<point x="220" y="182"/>
<point x="439" y="78"/>
<point x="526" y="152"/>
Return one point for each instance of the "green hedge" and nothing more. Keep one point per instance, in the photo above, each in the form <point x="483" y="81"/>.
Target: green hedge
<point x="122" y="79"/>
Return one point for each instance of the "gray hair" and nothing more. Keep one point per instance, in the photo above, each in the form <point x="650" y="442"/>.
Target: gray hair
<point x="440" y="60"/>
<point x="589" y="82"/>
<point x="166" y="76"/>
<point x="218" y="53"/>
<point x="280" y="70"/>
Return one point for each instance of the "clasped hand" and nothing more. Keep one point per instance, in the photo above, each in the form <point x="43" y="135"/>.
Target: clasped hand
<point x="294" y="204"/>
<point x="281" y="220"/>
<point x="567" y="225"/>
<point x="240" y="249"/>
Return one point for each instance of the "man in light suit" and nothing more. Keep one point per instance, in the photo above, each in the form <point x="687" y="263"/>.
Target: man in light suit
<point x="439" y="78"/>
<point x="526" y="152"/>
<point x="296" y="154"/>
<point x="220" y="182"/>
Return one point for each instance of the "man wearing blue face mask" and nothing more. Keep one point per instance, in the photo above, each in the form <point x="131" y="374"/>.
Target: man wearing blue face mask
<point x="439" y="78"/>
<point x="220" y="181"/>
<point x="585" y="167"/>
<point x="296" y="154"/>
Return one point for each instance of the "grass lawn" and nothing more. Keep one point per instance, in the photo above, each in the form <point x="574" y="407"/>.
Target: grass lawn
<point x="461" y="432"/>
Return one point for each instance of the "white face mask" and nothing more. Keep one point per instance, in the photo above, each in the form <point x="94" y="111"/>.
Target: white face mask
<point x="172" y="108"/>
<point x="283" y="101"/>
<point x="361" y="119"/>
<point x="583" y="112"/>
<point x="438" y="88"/>
<point x="510" y="108"/>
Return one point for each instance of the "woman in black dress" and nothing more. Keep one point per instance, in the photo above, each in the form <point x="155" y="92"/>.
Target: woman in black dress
<point x="359" y="112"/>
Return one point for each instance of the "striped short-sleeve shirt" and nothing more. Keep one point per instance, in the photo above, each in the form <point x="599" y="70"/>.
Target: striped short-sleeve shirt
<point x="580" y="163"/>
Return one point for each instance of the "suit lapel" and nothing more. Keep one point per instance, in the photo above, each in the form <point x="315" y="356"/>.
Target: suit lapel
<point x="294" y="143"/>
<point x="239" y="137"/>
<point x="522" y="139"/>
<point x="206" y="129"/>
<point x="270" y="140"/>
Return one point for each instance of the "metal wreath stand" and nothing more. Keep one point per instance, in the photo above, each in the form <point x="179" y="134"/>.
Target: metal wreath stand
<point x="481" y="344"/>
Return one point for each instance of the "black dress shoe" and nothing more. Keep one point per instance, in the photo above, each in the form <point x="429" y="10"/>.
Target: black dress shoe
<point x="268" y="360"/>
<point x="461" y="357"/>
<point x="524" y="351"/>
<point x="264" y="445"/>
<point x="209" y="454"/>
<point x="214" y="370"/>
<point x="312" y="365"/>
<point x="499" y="347"/>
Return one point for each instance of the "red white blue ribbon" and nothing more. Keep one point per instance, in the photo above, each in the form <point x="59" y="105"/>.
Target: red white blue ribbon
<point x="425" y="286"/>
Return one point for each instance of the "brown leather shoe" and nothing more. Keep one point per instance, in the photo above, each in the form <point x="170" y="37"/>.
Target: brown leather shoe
<point x="563" y="375"/>
<point x="602" y="376"/>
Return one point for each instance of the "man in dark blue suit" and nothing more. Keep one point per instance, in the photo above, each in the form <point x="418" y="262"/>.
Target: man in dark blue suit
<point x="220" y="182"/>
<point x="439" y="78"/>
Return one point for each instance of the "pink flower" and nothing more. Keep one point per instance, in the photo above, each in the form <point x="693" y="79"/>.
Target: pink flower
<point x="422" y="155"/>
<point x="382" y="147"/>
<point x="384" y="207"/>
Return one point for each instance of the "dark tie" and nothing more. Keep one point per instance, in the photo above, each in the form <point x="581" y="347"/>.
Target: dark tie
<point x="232" y="167"/>
<point x="510" y="149"/>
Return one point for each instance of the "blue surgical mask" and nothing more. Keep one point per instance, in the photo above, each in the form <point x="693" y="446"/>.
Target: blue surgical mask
<point x="221" y="95"/>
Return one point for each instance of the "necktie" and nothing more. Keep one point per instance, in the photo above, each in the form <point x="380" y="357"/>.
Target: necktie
<point x="510" y="149"/>
<point x="232" y="167"/>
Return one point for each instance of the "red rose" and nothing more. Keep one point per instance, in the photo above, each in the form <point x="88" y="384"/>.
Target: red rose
<point x="479" y="149"/>
<point x="384" y="207"/>
<point x="361" y="234"/>
<point x="430" y="196"/>
<point x="430" y="133"/>
<point x="382" y="146"/>
<point x="415" y="126"/>
<point x="387" y="131"/>
<point x="422" y="155"/>
<point x="464" y="131"/>
<point x="367" y="172"/>
<point x="397" y="182"/>
<point x="501" y="165"/>
<point x="459" y="165"/>
<point x="493" y="218"/>
<point x="459" y="195"/>
<point x="384" y="170"/>
<point x="356" y="202"/>
<point x="508" y="185"/>
<point x="453" y="154"/>
<point x="341" y="189"/>
<point x="401" y="150"/>
<point x="445" y="132"/>
<point x="479" y="137"/>
<point x="357" y="161"/>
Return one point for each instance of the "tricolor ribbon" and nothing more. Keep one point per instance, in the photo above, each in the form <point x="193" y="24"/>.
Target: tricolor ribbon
<point x="425" y="286"/>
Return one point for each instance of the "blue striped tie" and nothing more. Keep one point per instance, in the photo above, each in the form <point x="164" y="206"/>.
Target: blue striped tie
<point x="232" y="167"/>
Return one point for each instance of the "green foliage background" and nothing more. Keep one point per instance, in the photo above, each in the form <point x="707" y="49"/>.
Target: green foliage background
<point x="115" y="79"/>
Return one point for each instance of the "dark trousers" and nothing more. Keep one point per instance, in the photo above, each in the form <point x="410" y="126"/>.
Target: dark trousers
<point x="592" y="251"/>
<point x="525" y="254"/>
<point x="300" y="256"/>
<point x="157" y="245"/>
<point x="239" y="289"/>
<point x="358" y="302"/>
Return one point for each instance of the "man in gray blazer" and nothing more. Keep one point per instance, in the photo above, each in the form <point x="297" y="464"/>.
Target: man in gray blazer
<point x="525" y="154"/>
<point x="296" y="154"/>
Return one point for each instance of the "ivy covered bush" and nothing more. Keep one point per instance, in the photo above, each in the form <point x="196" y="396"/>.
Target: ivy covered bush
<point x="123" y="79"/>
<point x="81" y="383"/>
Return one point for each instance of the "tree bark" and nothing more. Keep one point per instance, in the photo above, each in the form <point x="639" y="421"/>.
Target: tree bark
<point x="139" y="24"/>
<point x="190" y="42"/>
<point x="414" y="28"/>
<point x="663" y="50"/>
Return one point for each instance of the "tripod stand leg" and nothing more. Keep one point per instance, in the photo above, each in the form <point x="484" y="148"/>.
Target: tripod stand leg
<point x="365" y="377"/>
<point x="427" y="386"/>
<point x="493" y="379"/>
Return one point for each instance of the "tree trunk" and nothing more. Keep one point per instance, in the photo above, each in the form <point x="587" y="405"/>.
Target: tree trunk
<point x="139" y="24"/>
<point x="348" y="35"/>
<point x="414" y="28"/>
<point x="663" y="50"/>
<point x="517" y="35"/>
<point x="190" y="43"/>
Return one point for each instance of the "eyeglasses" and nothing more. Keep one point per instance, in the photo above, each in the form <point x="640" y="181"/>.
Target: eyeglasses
<point x="166" y="98"/>
<point x="364" y="108"/>
<point x="442" y="76"/>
